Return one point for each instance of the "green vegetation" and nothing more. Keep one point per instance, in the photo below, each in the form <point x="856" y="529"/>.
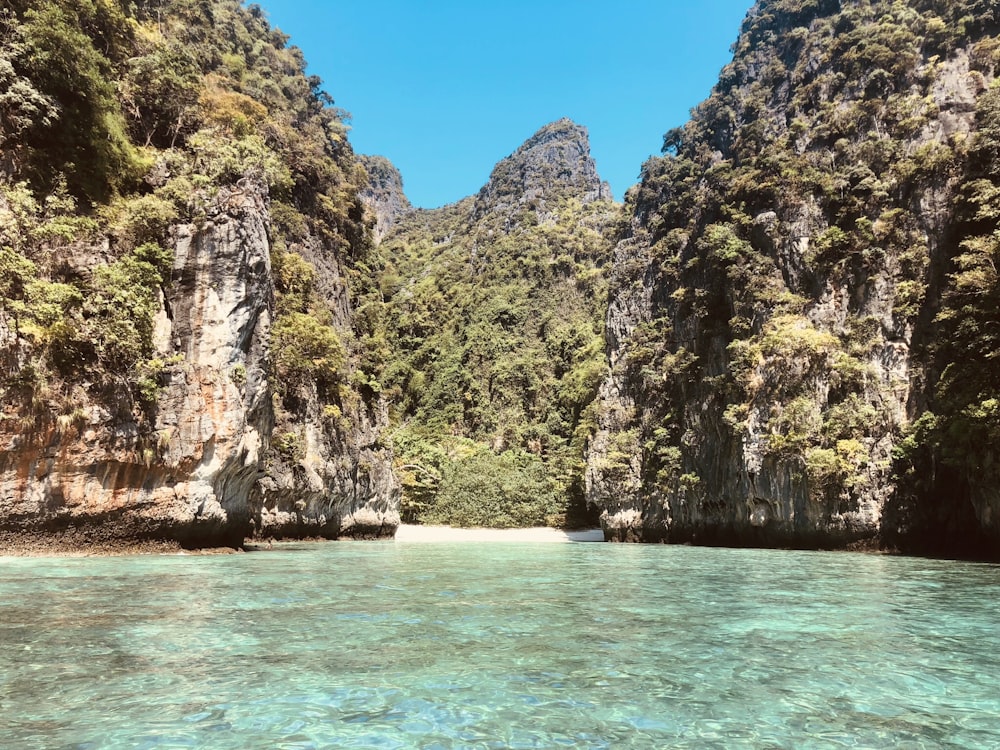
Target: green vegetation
<point x="497" y="491"/>
<point x="306" y="350"/>
<point x="102" y="322"/>
<point x="120" y="120"/>
<point x="489" y="332"/>
<point x="61" y="58"/>
<point x="962" y="426"/>
<point x="801" y="183"/>
<point x="461" y="482"/>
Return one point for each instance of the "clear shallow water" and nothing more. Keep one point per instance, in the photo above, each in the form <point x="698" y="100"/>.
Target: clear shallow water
<point x="438" y="646"/>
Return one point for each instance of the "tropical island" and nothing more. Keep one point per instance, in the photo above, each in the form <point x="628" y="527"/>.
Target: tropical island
<point x="219" y="323"/>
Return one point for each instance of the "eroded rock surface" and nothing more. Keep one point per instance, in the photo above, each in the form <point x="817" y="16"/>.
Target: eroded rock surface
<point x="773" y="298"/>
<point x="554" y="163"/>
<point x="200" y="468"/>
<point x="384" y="196"/>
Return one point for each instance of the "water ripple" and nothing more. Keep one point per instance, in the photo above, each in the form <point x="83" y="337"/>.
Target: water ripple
<point x="499" y="646"/>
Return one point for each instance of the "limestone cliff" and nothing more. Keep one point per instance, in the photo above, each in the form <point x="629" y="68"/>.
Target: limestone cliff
<point x="201" y="466"/>
<point x="383" y="195"/>
<point x="774" y="296"/>
<point x="179" y="357"/>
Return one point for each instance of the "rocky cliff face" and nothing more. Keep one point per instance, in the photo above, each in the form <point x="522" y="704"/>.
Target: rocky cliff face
<point x="329" y="472"/>
<point x="773" y="297"/>
<point x="554" y="163"/>
<point x="180" y="361"/>
<point x="383" y="195"/>
<point x="199" y="468"/>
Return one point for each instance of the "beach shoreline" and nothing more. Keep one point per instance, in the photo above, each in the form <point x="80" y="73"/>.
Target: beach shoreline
<point x="409" y="533"/>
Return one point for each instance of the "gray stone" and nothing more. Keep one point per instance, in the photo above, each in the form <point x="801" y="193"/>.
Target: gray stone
<point x="200" y="471"/>
<point x="383" y="197"/>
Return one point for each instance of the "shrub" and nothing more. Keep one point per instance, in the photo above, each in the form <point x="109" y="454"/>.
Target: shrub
<point x="222" y="159"/>
<point x="295" y="278"/>
<point x="305" y="350"/>
<point x="141" y="219"/>
<point x="87" y="141"/>
<point x="234" y="112"/>
<point x="16" y="272"/>
<point x="119" y="311"/>
<point x="495" y="491"/>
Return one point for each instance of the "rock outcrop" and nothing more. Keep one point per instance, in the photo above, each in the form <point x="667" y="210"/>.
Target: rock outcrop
<point x="554" y="163"/>
<point x="773" y="297"/>
<point x="801" y="322"/>
<point x="331" y="474"/>
<point x="201" y="469"/>
<point x="383" y="196"/>
<point x="181" y="362"/>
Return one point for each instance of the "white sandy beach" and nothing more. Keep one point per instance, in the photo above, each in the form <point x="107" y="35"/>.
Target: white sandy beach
<point x="410" y="533"/>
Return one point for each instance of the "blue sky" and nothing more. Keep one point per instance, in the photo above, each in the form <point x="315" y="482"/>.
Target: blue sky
<point x="445" y="89"/>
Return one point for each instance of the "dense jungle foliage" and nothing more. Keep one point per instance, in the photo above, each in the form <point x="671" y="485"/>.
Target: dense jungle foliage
<point x="120" y="119"/>
<point x="490" y="348"/>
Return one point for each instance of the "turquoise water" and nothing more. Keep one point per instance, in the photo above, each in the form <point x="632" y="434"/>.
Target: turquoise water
<point x="387" y="645"/>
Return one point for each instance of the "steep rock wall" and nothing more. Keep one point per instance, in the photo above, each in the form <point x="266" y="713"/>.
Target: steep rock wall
<point x="383" y="194"/>
<point x="773" y="297"/>
<point x="199" y="467"/>
<point x="337" y="480"/>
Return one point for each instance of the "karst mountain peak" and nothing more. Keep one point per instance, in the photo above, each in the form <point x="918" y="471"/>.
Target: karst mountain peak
<point x="553" y="164"/>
